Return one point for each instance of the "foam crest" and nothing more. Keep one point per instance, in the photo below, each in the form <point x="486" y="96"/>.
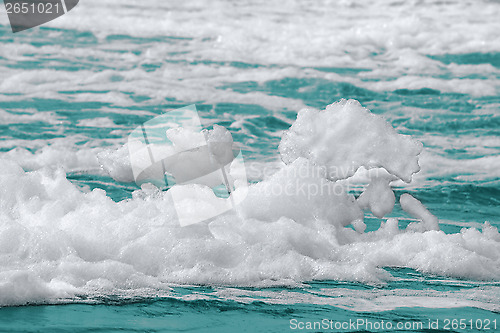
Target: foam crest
<point x="59" y="242"/>
<point x="346" y="136"/>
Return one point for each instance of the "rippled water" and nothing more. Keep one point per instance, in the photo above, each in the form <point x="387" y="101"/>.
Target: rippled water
<point x="72" y="90"/>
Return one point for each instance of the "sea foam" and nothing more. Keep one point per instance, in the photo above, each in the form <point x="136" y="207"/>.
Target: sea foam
<point x="59" y="242"/>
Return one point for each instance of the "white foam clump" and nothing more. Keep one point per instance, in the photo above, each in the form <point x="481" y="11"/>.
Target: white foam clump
<point x="116" y="162"/>
<point x="185" y="139"/>
<point x="300" y="191"/>
<point x="57" y="242"/>
<point x="70" y="157"/>
<point x="346" y="136"/>
<point x="220" y="144"/>
<point x="415" y="208"/>
<point x="378" y="197"/>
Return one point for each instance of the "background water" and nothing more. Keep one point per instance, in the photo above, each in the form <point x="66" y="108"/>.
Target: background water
<point x="72" y="90"/>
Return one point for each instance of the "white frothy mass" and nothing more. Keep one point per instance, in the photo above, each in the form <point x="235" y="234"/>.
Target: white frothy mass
<point x="346" y="136"/>
<point x="57" y="242"/>
<point x="389" y="42"/>
<point x="199" y="51"/>
<point x="107" y="66"/>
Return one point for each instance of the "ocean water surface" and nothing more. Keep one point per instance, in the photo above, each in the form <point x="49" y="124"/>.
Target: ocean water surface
<point x="84" y="249"/>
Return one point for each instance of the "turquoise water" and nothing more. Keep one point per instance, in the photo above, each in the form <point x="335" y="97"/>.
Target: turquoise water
<point x="73" y="258"/>
<point x="213" y="314"/>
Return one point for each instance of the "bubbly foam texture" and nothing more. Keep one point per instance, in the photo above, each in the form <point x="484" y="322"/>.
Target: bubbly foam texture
<point x="382" y="46"/>
<point x="388" y="41"/>
<point x="346" y="136"/>
<point x="57" y="242"/>
<point x="415" y="208"/>
<point x="378" y="196"/>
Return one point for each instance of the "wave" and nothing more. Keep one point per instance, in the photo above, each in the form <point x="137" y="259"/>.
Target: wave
<point x="58" y="241"/>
